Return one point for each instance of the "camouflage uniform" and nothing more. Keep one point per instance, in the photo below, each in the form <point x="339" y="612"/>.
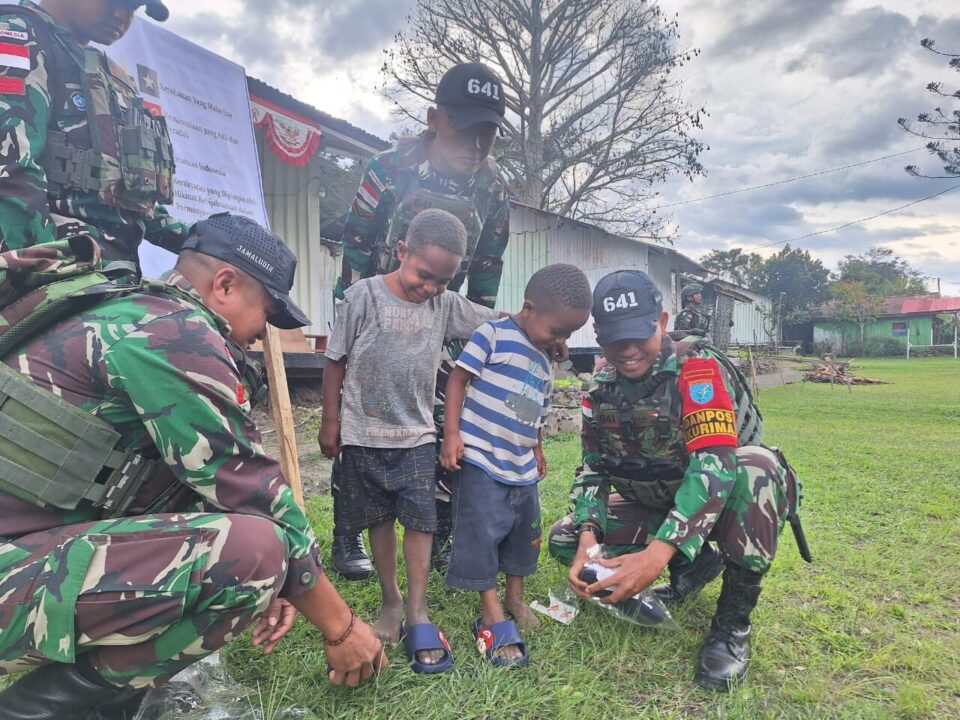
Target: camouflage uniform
<point x="401" y="171"/>
<point x="144" y="596"/>
<point x="736" y="496"/>
<point x="690" y="318"/>
<point x="47" y="98"/>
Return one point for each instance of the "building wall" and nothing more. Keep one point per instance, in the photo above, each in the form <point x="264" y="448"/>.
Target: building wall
<point x="293" y="207"/>
<point x="538" y="240"/>
<point x="919" y="328"/>
<point x="748" y="320"/>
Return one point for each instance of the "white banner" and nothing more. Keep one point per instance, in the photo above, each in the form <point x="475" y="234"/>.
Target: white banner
<point x="205" y="100"/>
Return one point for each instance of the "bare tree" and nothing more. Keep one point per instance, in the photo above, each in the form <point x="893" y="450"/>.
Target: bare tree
<point x="942" y="126"/>
<point x="596" y="116"/>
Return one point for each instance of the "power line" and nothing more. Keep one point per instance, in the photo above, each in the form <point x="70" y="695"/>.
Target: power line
<point x="789" y="180"/>
<point x="853" y="222"/>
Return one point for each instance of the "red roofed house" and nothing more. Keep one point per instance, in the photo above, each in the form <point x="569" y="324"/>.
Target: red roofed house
<point x="917" y="318"/>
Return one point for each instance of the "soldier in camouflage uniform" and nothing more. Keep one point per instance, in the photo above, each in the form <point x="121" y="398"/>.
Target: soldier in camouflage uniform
<point x="80" y="150"/>
<point x="447" y="167"/>
<point x="102" y="606"/>
<point x="691" y="319"/>
<point x="671" y="460"/>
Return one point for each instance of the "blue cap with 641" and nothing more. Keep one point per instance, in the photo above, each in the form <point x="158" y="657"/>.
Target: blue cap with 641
<point x="626" y="306"/>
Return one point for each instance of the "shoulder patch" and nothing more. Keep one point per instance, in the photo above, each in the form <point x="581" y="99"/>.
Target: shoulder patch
<point x="707" y="409"/>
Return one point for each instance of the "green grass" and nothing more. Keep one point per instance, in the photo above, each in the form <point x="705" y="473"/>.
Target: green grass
<point x="868" y="631"/>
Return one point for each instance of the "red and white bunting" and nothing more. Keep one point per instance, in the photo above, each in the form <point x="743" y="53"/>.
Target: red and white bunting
<point x="293" y="138"/>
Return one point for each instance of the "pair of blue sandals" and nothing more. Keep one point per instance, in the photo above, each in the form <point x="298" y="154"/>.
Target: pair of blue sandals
<point x="427" y="636"/>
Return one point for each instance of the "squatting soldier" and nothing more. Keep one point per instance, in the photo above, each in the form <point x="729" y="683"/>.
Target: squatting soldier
<point x="80" y="150"/>
<point x="671" y="460"/>
<point x="692" y="318"/>
<point x="142" y="526"/>
<point x="447" y="167"/>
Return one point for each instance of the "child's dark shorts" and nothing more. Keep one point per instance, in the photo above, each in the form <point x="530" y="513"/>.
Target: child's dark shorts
<point x="381" y="485"/>
<point x="496" y="528"/>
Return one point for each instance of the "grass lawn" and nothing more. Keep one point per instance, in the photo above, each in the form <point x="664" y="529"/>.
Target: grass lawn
<point x="869" y="631"/>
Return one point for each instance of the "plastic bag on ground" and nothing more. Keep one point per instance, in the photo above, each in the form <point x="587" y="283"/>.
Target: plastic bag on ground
<point x="644" y="608"/>
<point x="205" y="691"/>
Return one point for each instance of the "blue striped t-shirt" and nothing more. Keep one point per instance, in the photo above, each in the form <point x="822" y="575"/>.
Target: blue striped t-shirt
<point x="506" y="402"/>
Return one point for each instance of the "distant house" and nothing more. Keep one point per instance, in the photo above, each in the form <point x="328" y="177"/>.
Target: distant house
<point x="902" y="318"/>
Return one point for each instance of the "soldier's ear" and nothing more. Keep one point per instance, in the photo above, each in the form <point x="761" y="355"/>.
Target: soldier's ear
<point x="664" y="317"/>
<point x="432" y="114"/>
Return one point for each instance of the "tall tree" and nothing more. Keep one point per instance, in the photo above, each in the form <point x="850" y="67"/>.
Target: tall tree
<point x="854" y="302"/>
<point x="734" y="265"/>
<point x="882" y="273"/>
<point x="596" y="115"/>
<point x="941" y="128"/>
<point x="795" y="280"/>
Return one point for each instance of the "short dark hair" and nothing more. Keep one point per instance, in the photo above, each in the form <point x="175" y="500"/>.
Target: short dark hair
<point x="559" y="285"/>
<point x="438" y="228"/>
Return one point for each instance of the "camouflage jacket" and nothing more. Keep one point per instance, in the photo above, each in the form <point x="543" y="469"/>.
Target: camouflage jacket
<point x="372" y="209"/>
<point x="692" y="319"/>
<point x="638" y="438"/>
<point x="28" y="215"/>
<point x="156" y="366"/>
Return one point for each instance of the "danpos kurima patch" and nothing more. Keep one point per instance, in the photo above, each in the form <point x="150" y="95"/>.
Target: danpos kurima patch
<point x="708" y="419"/>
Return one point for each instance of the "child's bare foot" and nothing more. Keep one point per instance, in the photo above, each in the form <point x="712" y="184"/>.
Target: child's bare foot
<point x="522" y="614"/>
<point x="505" y="652"/>
<point x="427" y="657"/>
<point x="387" y="626"/>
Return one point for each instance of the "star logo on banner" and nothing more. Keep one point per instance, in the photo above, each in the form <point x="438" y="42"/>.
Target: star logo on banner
<point x="148" y="81"/>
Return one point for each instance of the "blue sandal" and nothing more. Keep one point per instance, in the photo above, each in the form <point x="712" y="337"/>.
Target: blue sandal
<point x="496" y="636"/>
<point x="427" y="636"/>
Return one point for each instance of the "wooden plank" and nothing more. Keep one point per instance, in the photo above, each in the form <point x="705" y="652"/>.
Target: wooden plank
<point x="282" y="412"/>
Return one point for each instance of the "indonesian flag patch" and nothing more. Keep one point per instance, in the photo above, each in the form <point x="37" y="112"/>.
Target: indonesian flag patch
<point x="707" y="410"/>
<point x="14" y="65"/>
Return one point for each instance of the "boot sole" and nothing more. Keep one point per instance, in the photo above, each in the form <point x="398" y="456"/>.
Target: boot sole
<point x="354" y="575"/>
<point x="710" y="683"/>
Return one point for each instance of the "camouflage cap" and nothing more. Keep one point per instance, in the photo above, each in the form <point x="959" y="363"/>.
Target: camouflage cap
<point x="258" y="252"/>
<point x="690" y="289"/>
<point x="626" y="306"/>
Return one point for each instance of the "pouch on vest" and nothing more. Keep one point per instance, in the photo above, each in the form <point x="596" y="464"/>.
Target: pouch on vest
<point x="129" y="161"/>
<point x="415" y="200"/>
<point x="51" y="452"/>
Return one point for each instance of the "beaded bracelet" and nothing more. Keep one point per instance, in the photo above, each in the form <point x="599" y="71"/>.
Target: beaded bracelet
<point x="340" y="640"/>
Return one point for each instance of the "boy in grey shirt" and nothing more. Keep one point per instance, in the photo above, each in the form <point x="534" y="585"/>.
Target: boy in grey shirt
<point x="383" y="357"/>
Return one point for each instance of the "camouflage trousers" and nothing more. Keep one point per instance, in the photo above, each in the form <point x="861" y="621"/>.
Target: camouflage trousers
<point x="141" y="597"/>
<point x="746" y="530"/>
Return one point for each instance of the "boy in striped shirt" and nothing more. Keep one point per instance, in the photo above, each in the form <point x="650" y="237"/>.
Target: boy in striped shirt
<point x="492" y="436"/>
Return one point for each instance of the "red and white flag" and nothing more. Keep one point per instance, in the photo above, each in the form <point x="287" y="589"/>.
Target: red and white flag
<point x="14" y="56"/>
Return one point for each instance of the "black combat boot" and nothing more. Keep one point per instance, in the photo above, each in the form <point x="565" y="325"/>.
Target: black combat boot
<point x="687" y="578"/>
<point x="349" y="557"/>
<point x="123" y="707"/>
<point x="440" y="555"/>
<point x="725" y="654"/>
<point x="57" y="691"/>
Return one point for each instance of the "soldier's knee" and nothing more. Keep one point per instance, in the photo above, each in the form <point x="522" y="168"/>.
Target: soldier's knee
<point x="255" y="549"/>
<point x="563" y="541"/>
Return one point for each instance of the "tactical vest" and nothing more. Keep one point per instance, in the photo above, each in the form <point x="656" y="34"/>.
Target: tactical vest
<point x="648" y="464"/>
<point x="53" y="453"/>
<point x="411" y="199"/>
<point x="125" y="155"/>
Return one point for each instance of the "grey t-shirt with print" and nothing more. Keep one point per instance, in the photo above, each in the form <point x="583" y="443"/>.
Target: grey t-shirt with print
<point x="393" y="349"/>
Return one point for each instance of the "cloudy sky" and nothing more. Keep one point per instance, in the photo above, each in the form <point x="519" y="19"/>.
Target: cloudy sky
<point x="793" y="87"/>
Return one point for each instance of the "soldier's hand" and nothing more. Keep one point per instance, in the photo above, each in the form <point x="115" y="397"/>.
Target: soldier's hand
<point x="451" y="451"/>
<point x="561" y="353"/>
<point x="578" y="586"/>
<point x="635" y="572"/>
<point x="359" y="657"/>
<point x="274" y="624"/>
<point x="329" y="438"/>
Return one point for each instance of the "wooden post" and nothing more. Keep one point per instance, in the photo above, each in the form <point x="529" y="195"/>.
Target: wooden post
<point x="282" y="412"/>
